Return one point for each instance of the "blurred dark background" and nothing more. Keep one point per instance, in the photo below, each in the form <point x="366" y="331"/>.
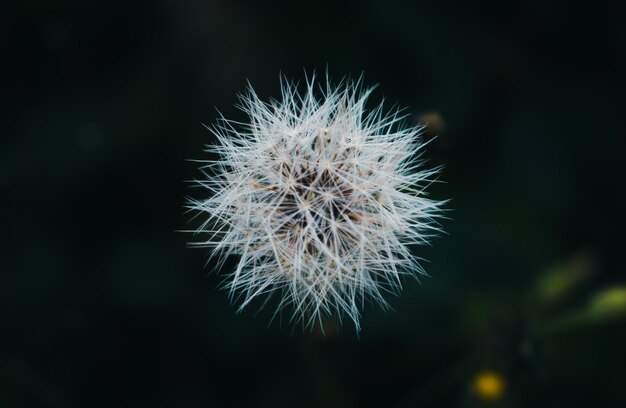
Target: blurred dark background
<point x="103" y="305"/>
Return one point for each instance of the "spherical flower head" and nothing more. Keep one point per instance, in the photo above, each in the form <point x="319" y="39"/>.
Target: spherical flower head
<point x="321" y="199"/>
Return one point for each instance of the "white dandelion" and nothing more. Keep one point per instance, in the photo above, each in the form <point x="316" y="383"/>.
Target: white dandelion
<point x="321" y="199"/>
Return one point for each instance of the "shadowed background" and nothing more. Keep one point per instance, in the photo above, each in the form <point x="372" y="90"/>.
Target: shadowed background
<point x="102" y="304"/>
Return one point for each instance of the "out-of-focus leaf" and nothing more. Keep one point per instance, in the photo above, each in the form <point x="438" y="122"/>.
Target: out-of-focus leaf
<point x="606" y="305"/>
<point x="609" y="303"/>
<point x="558" y="281"/>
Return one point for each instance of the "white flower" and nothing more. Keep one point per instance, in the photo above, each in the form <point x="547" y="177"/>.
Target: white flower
<point x="319" y="197"/>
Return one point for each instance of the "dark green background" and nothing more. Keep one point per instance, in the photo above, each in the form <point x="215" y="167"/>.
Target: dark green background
<point x="102" y="304"/>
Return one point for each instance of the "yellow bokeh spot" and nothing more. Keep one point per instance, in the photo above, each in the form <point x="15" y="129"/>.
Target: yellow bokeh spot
<point x="488" y="385"/>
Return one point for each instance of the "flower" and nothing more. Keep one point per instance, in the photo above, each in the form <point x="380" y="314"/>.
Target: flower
<point x="321" y="198"/>
<point x="488" y="385"/>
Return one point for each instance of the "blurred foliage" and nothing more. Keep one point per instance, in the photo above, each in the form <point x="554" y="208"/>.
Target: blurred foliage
<point x="610" y="303"/>
<point x="561" y="280"/>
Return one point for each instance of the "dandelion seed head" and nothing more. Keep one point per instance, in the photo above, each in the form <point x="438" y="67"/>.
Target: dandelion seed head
<point x="321" y="199"/>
